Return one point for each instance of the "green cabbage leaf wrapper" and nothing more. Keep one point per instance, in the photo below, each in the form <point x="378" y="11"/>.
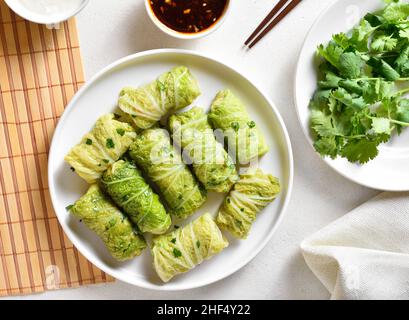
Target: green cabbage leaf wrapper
<point x="127" y="187"/>
<point x="254" y="191"/>
<point x="172" y="91"/>
<point x="109" y="223"/>
<point x="243" y="139"/>
<point x="153" y="153"/>
<point x="185" y="248"/>
<point x="105" y="144"/>
<point x="212" y="165"/>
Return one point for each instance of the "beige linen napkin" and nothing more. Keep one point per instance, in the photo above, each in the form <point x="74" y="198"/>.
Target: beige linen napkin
<point x="365" y="254"/>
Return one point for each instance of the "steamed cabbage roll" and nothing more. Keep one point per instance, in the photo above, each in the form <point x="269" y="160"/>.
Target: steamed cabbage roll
<point x="243" y="138"/>
<point x="109" y="223"/>
<point x="185" y="248"/>
<point x="254" y="191"/>
<point x="212" y="165"/>
<point x="105" y="144"/>
<point x="129" y="190"/>
<point x="173" y="90"/>
<point x="153" y="153"/>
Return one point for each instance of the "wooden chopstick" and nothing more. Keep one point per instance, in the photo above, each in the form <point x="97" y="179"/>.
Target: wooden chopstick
<point x="275" y="20"/>
<point x="266" y="20"/>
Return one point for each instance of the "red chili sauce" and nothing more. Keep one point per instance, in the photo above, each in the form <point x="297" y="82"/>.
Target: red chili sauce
<point x="188" y="16"/>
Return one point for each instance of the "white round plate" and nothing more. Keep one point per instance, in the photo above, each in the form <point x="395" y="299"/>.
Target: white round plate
<point x="389" y="171"/>
<point x="99" y="96"/>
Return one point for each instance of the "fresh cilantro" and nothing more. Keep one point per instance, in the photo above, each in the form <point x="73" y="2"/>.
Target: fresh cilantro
<point x="120" y="131"/>
<point x="360" y="150"/>
<point x="332" y="53"/>
<point x="341" y="95"/>
<point x="350" y="65"/>
<point x="376" y="90"/>
<point x="177" y="253"/>
<point x="173" y="240"/>
<point x="88" y="142"/>
<point x="402" y="62"/>
<point x="396" y="11"/>
<point x="198" y="244"/>
<point x="326" y="146"/>
<point x="331" y="81"/>
<point x="235" y="126"/>
<point x="384" y="43"/>
<point x="69" y="207"/>
<point x="383" y="69"/>
<point x="110" y="143"/>
<point x="342" y="40"/>
<point x="374" y="20"/>
<point x="404" y="33"/>
<point x="361" y="34"/>
<point x="403" y="110"/>
<point x="364" y="75"/>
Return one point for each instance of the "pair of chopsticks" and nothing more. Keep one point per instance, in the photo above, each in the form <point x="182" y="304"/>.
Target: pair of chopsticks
<point x="272" y="19"/>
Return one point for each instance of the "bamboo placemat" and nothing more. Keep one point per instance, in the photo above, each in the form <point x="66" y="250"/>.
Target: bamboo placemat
<point x="40" y="70"/>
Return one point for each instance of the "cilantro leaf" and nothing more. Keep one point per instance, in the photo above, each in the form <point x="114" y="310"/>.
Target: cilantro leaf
<point x="331" y="81"/>
<point x="384" y="69"/>
<point x="403" y="110"/>
<point x="120" y="131"/>
<point x="373" y="19"/>
<point x="177" y="253"/>
<point x="361" y="35"/>
<point x="110" y="143"/>
<point x="342" y="40"/>
<point x="404" y="33"/>
<point x="396" y="12"/>
<point x="350" y="65"/>
<point x="402" y="62"/>
<point x="363" y="76"/>
<point x="332" y="53"/>
<point x="343" y="96"/>
<point x="377" y="90"/>
<point x="383" y="43"/>
<point x="326" y="146"/>
<point x="352" y="86"/>
<point x="323" y="124"/>
<point x="361" y="150"/>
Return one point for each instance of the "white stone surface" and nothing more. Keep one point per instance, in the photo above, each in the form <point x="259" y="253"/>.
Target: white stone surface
<point x="112" y="29"/>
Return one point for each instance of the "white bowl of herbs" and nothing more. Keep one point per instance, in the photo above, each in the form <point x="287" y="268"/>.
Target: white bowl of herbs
<point x="351" y="91"/>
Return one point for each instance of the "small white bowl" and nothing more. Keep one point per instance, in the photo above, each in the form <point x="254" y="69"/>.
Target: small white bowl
<point x="182" y="35"/>
<point x="48" y="19"/>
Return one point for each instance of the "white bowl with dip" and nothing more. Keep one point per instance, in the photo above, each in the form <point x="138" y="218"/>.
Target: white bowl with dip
<point x="187" y="35"/>
<point x="47" y="11"/>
